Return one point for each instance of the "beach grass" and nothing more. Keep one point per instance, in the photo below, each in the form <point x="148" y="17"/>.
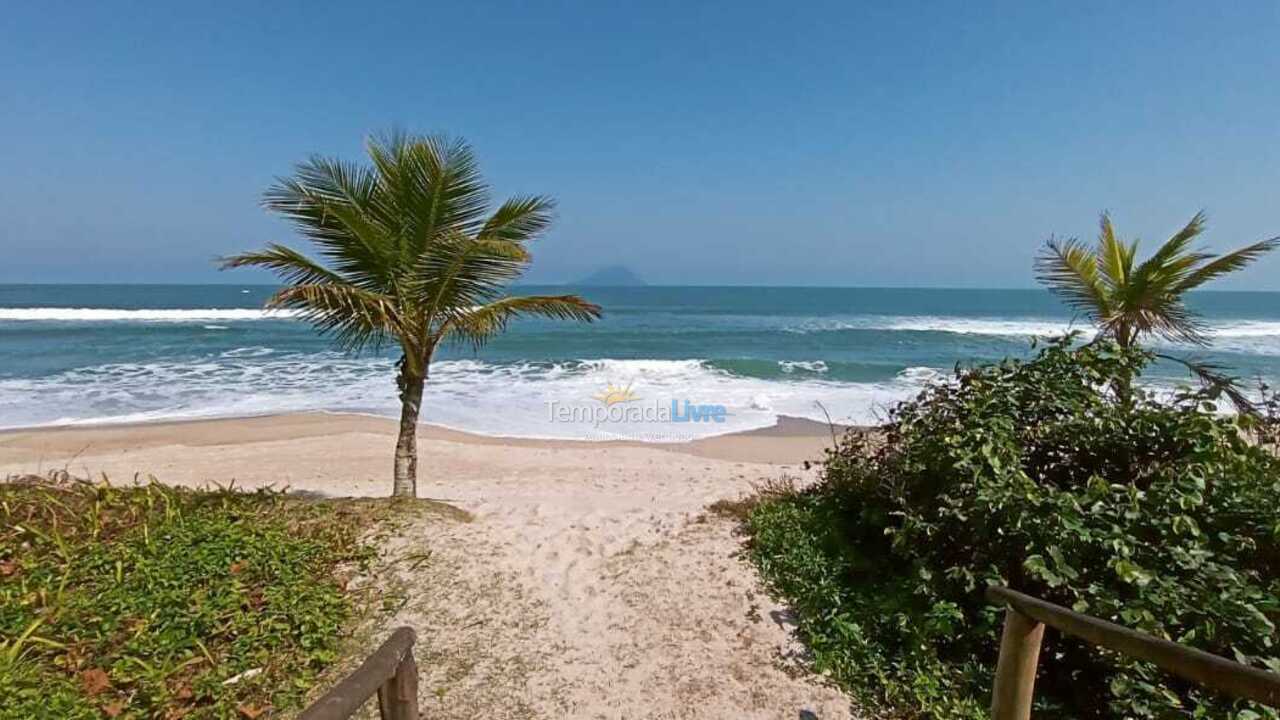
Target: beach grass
<point x="153" y="601"/>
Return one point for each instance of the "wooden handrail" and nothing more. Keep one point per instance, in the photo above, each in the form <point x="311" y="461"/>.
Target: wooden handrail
<point x="390" y="672"/>
<point x="1026" y="617"/>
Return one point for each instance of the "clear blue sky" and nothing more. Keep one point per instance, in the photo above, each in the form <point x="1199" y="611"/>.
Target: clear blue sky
<point x="929" y="144"/>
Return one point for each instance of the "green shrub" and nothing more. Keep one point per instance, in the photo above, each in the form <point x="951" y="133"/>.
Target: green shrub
<point x="1050" y="476"/>
<point x="145" y="602"/>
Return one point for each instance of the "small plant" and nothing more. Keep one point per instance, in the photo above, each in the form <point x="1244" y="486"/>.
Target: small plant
<point x="160" y="602"/>
<point x="1047" y="477"/>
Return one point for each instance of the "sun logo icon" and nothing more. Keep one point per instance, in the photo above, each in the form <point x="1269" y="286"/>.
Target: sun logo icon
<point x="614" y="394"/>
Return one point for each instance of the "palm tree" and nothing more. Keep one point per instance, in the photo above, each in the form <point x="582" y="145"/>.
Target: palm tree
<point x="1128" y="301"/>
<point x="411" y="254"/>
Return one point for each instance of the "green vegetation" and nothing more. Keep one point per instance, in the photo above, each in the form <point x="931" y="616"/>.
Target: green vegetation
<point x="1129" y="300"/>
<point x="1160" y="516"/>
<point x="168" y="603"/>
<point x="414" y="257"/>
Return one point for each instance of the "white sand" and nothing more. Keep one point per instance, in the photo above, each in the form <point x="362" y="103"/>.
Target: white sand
<point x="591" y="583"/>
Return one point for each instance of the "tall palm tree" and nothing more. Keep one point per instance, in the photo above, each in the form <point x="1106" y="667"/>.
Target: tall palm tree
<point x="1126" y="300"/>
<point x="410" y="253"/>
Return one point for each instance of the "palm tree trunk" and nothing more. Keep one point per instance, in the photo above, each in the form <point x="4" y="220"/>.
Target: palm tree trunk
<point x="406" y="469"/>
<point x="1124" y="384"/>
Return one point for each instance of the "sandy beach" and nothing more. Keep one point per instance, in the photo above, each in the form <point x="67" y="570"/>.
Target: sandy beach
<point x="590" y="583"/>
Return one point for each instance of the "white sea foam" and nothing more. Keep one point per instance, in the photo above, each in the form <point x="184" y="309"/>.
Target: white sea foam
<point x="1003" y="327"/>
<point x="1224" y="329"/>
<point x="141" y="315"/>
<point x="984" y="326"/>
<point x="1232" y="335"/>
<point x="1246" y="336"/>
<point x="810" y="366"/>
<point x="511" y="399"/>
<point x="921" y="375"/>
<point x="247" y="352"/>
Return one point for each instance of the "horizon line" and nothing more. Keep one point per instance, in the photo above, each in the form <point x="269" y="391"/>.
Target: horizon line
<point x="614" y="287"/>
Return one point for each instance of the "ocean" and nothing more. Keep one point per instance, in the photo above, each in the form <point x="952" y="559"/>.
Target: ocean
<point x="81" y="354"/>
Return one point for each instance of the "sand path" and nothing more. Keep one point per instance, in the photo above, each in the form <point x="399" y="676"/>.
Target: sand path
<point x="591" y="582"/>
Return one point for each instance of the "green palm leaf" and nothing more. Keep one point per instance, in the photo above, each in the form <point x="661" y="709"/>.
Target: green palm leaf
<point x="1115" y="258"/>
<point x="519" y="219"/>
<point x="357" y="318"/>
<point x="1175" y="247"/>
<point x="430" y="185"/>
<point x="480" y="324"/>
<point x="1070" y="269"/>
<point x="336" y="206"/>
<point x="461" y="271"/>
<point x="290" y="265"/>
<point x="1227" y="264"/>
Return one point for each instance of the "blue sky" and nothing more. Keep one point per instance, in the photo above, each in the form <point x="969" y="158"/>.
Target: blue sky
<point x="932" y="144"/>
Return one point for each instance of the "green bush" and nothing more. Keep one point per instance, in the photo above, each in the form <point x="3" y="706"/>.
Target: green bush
<point x="1055" y="478"/>
<point x="150" y="601"/>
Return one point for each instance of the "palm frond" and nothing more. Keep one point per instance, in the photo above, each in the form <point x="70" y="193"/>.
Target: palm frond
<point x="452" y="192"/>
<point x="1214" y="383"/>
<point x="357" y="318"/>
<point x="1175" y="247"/>
<point x="1228" y="263"/>
<point x="519" y="219"/>
<point x="1151" y="281"/>
<point x="291" y="266"/>
<point x="479" y="324"/>
<point x="1115" y="259"/>
<point x="336" y="206"/>
<point x="1070" y="270"/>
<point x="432" y="184"/>
<point x="460" y="271"/>
<point x="1167" y="316"/>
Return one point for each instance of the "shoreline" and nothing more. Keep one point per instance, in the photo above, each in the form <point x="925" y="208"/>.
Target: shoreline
<point x="789" y="442"/>
<point x="785" y="426"/>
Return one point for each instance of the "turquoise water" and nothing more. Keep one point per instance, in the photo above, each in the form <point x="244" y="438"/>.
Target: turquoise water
<point x="83" y="354"/>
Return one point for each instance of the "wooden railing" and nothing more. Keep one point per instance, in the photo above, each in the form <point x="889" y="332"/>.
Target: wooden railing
<point x="1026" y="617"/>
<point x="390" y="672"/>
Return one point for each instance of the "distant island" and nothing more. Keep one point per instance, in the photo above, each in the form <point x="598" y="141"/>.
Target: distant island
<point x="612" y="275"/>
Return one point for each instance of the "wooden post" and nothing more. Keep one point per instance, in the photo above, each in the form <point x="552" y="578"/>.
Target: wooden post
<point x="1016" y="669"/>
<point x="1214" y="672"/>
<point x="1020" y="646"/>
<point x="390" y="672"/>
<point x="398" y="697"/>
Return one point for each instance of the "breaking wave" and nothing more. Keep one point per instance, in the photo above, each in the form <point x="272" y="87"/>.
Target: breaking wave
<point x="144" y="315"/>
<point x="512" y="399"/>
